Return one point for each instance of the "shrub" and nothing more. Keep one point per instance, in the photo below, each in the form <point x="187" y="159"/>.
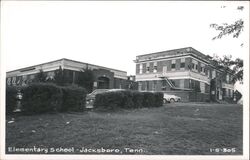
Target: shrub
<point x="109" y="100"/>
<point x="11" y="100"/>
<point x="128" y="99"/>
<point x="137" y="99"/>
<point x="148" y="99"/>
<point x="73" y="98"/>
<point x="158" y="99"/>
<point x="41" y="97"/>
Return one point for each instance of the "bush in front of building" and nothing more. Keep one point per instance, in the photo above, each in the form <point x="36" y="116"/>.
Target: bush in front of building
<point x="128" y="99"/>
<point x="11" y="100"/>
<point x="138" y="99"/>
<point x="158" y="99"/>
<point x="148" y="99"/>
<point x="73" y="98"/>
<point x="109" y="100"/>
<point x="41" y="98"/>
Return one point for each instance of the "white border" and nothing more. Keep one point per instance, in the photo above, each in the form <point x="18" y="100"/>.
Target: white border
<point x="146" y="157"/>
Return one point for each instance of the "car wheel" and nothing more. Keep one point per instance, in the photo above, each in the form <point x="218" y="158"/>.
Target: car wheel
<point x="172" y="100"/>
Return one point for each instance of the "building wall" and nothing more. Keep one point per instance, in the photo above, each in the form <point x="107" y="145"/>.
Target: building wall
<point x="72" y="69"/>
<point x="196" y="73"/>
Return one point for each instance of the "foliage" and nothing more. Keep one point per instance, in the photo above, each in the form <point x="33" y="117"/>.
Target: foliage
<point x="86" y="79"/>
<point x="229" y="65"/>
<point x="128" y="99"/>
<point x="40" y="77"/>
<point x="59" y="76"/>
<point x="11" y="100"/>
<point x="226" y="29"/>
<point x="73" y="98"/>
<point x="46" y="97"/>
<point x="41" y="98"/>
<point x="234" y="29"/>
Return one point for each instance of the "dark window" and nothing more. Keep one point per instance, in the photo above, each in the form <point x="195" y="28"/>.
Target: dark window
<point x="147" y="68"/>
<point x="173" y="65"/>
<point x="196" y="67"/>
<point x="192" y="65"/>
<point x="182" y="65"/>
<point x="201" y="69"/>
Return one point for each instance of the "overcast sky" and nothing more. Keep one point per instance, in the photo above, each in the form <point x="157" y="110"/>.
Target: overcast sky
<point x="112" y="34"/>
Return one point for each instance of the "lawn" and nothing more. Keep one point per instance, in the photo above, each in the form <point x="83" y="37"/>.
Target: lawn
<point x="174" y="129"/>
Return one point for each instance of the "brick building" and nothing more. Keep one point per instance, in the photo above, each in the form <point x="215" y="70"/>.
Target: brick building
<point x="103" y="77"/>
<point x="181" y="71"/>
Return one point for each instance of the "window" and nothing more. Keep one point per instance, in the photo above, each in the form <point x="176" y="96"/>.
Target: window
<point x="147" y="69"/>
<point x="9" y="81"/>
<point x="164" y="69"/>
<point x="213" y="74"/>
<point x="140" y="71"/>
<point x="192" y="66"/>
<point x="155" y="69"/>
<point x="154" y="85"/>
<point x="173" y="66"/>
<point x="202" y="87"/>
<point x="183" y="65"/>
<point x="227" y="78"/>
<point x="14" y="80"/>
<point x="182" y="83"/>
<point x="196" y="67"/>
<point x="139" y="86"/>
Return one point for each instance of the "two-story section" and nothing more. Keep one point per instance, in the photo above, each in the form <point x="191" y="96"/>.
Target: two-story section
<point x="184" y="69"/>
<point x="222" y="84"/>
<point x="179" y="69"/>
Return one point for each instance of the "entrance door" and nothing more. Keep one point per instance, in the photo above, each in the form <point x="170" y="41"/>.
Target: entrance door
<point x="103" y="83"/>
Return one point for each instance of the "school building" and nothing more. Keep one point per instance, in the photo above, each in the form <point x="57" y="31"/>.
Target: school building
<point x="104" y="77"/>
<point x="185" y="72"/>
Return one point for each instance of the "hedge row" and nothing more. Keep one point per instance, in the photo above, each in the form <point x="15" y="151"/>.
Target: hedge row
<point x="11" y="100"/>
<point x="128" y="99"/>
<point x="74" y="99"/>
<point x="44" y="97"/>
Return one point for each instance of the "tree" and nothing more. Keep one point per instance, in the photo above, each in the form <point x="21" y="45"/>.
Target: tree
<point x="86" y="79"/>
<point x="229" y="65"/>
<point x="40" y="77"/>
<point x="227" y="29"/>
<point x="59" y="76"/>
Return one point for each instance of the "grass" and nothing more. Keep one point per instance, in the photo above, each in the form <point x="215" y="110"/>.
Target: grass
<point x="174" y="129"/>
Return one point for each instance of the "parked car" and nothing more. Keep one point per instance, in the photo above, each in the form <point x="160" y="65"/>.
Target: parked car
<point x="90" y="98"/>
<point x="170" y="98"/>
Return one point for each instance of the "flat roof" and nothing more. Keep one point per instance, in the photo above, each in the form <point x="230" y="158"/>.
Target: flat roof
<point x="155" y="53"/>
<point x="66" y="60"/>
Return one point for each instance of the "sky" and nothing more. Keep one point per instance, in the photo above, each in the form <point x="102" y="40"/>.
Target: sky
<point x="112" y="34"/>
